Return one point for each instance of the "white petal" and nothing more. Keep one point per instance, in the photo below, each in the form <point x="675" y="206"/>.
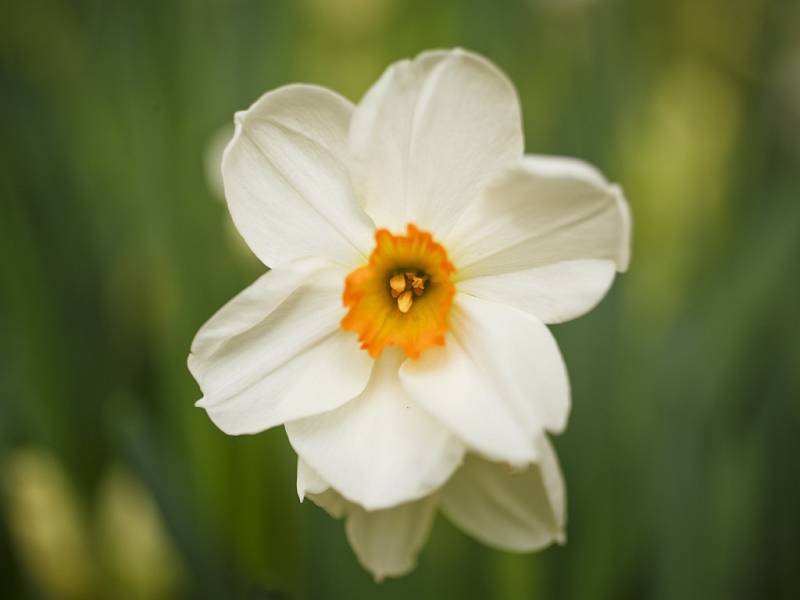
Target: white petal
<point x="250" y="307"/>
<point x="498" y="383"/>
<point x="515" y="511"/>
<point x="311" y="485"/>
<point x="520" y="356"/>
<point x="553" y="293"/>
<point x="428" y="136"/>
<point x="308" y="480"/>
<point x="287" y="178"/>
<point x="542" y="211"/>
<point x="380" y="449"/>
<point x="386" y="542"/>
<point x="331" y="502"/>
<point x="276" y="351"/>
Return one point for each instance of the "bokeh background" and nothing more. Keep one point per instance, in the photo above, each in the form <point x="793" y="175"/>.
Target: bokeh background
<point x="682" y="456"/>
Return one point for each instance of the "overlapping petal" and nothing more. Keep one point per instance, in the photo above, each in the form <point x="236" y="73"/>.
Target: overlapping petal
<point x="428" y="136"/>
<point x="553" y="293"/>
<point x="545" y="236"/>
<point x="380" y="449"/>
<point x="516" y="511"/>
<point x="498" y="383"/>
<point x="252" y="358"/>
<point x="309" y="481"/>
<point x="386" y="542"/>
<point x="287" y="178"/>
<point x="542" y="211"/>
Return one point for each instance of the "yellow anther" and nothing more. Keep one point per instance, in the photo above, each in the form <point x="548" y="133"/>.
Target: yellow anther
<point x="382" y="296"/>
<point x="417" y="284"/>
<point x="398" y="284"/>
<point x="404" y="301"/>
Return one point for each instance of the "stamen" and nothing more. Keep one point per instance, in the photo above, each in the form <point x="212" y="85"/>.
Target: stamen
<point x="418" y="284"/>
<point x="404" y="301"/>
<point x="398" y="284"/>
<point x="402" y="296"/>
<point x="404" y="286"/>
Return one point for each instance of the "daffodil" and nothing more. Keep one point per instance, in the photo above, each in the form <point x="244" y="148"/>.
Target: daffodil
<point x="416" y="256"/>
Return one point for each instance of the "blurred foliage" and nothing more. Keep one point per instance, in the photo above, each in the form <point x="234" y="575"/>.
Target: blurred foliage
<point x="681" y="456"/>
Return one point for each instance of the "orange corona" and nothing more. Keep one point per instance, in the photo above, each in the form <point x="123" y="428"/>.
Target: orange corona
<point x="402" y="296"/>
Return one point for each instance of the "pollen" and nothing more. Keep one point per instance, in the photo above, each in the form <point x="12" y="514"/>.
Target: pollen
<point x="404" y="301"/>
<point x="402" y="296"/>
<point x="398" y="284"/>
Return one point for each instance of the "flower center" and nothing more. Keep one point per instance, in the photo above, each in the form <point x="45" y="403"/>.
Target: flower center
<point x="401" y="297"/>
<point x="404" y="286"/>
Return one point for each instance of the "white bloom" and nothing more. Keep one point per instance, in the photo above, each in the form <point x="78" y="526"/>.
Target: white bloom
<point x="435" y="384"/>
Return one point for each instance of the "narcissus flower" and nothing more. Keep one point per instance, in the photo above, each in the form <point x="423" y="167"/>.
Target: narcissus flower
<point x="416" y="256"/>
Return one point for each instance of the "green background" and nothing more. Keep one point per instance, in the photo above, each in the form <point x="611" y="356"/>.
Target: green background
<point x="681" y="455"/>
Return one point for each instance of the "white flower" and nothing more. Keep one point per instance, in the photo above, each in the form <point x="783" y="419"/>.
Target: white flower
<point x="435" y="383"/>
